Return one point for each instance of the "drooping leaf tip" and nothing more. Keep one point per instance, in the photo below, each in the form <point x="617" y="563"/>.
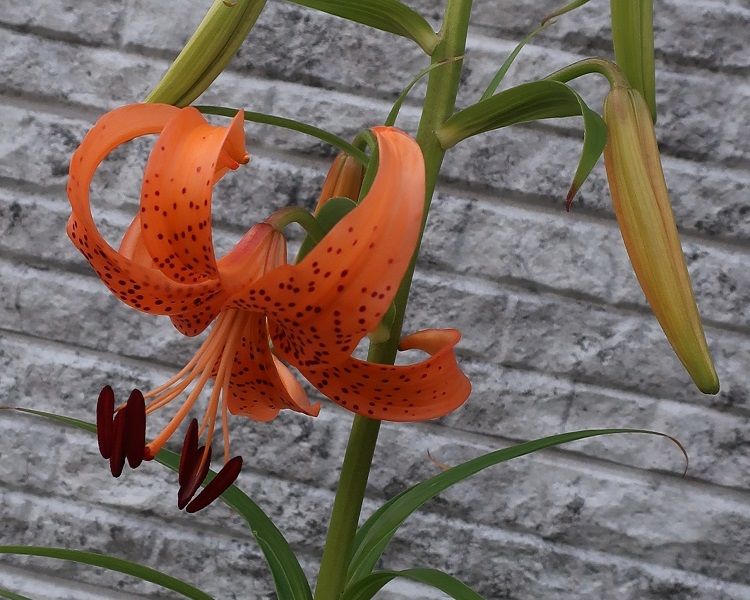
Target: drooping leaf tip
<point x="571" y="195"/>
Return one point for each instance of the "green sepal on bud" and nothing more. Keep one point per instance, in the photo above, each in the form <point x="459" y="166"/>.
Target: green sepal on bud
<point x="633" y="39"/>
<point x="644" y="214"/>
<point x="207" y="52"/>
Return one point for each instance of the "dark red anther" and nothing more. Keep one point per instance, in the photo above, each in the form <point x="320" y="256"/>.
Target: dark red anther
<point x="105" y="412"/>
<point x="189" y="452"/>
<point x="217" y="486"/>
<point x="135" y="429"/>
<point x="197" y="475"/>
<point x="117" y="456"/>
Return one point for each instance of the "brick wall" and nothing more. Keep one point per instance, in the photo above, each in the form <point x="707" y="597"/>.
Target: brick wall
<point x="557" y="335"/>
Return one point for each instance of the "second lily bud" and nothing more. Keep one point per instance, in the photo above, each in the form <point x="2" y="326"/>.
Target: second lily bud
<point x="344" y="180"/>
<point x="641" y="203"/>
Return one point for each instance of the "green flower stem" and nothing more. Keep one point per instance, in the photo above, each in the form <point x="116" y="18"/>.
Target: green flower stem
<point x="439" y="104"/>
<point x="346" y="508"/>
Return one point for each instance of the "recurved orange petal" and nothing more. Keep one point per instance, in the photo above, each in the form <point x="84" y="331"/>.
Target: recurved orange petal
<point x="425" y="390"/>
<point x="260" y="385"/>
<point x="320" y="308"/>
<point x="187" y="159"/>
<point x="132" y="245"/>
<point x="135" y="283"/>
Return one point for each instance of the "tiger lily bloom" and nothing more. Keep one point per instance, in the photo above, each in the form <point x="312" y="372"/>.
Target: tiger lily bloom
<point x="314" y="312"/>
<point x="641" y="203"/>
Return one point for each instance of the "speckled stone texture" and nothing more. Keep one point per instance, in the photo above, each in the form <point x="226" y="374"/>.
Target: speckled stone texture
<point x="557" y="335"/>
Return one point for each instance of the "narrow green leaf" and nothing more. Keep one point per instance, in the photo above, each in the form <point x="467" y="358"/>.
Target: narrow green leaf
<point x="594" y="141"/>
<point x="390" y="120"/>
<point x="500" y="75"/>
<point x="383" y="524"/>
<point x="564" y="9"/>
<point x="311" y="130"/>
<point x="387" y="15"/>
<point x="8" y="595"/>
<point x="366" y="588"/>
<point x="290" y="580"/>
<point x="531" y="102"/>
<point x="112" y="563"/>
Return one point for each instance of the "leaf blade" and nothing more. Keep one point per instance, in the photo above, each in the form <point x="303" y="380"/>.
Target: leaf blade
<point x="383" y="524"/>
<point x="112" y="563"/>
<point x="8" y="595"/>
<point x="286" y="123"/>
<point x="387" y="15"/>
<point x="526" y="102"/>
<point x="366" y="588"/>
<point x="286" y="571"/>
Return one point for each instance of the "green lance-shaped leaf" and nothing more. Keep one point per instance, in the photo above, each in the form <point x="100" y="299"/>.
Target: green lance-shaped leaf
<point x="633" y="39"/>
<point x="503" y="70"/>
<point x="387" y="15"/>
<point x="393" y="115"/>
<point x="375" y="534"/>
<point x="111" y="563"/>
<point x="290" y="580"/>
<point x="570" y="6"/>
<point x="8" y="595"/>
<point x="531" y="102"/>
<point x="366" y="588"/>
<point x="207" y="52"/>
<point x="285" y="123"/>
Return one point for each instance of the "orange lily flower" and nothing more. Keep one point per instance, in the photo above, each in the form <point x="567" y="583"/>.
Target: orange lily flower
<point x="315" y="312"/>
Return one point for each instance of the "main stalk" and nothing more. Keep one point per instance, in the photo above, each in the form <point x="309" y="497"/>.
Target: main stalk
<point x="439" y="104"/>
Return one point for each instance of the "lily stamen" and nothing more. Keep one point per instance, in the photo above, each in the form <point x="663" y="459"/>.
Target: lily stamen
<point x="205" y="352"/>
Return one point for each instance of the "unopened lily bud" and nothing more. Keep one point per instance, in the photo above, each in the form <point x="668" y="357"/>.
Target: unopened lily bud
<point x="641" y="203"/>
<point x="344" y="179"/>
<point x="207" y="52"/>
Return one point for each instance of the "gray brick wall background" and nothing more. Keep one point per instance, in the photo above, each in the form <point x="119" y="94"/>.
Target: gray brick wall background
<point x="557" y="335"/>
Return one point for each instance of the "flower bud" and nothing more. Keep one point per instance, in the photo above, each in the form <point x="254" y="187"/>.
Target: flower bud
<point x="641" y="203"/>
<point x="344" y="179"/>
<point x="207" y="52"/>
